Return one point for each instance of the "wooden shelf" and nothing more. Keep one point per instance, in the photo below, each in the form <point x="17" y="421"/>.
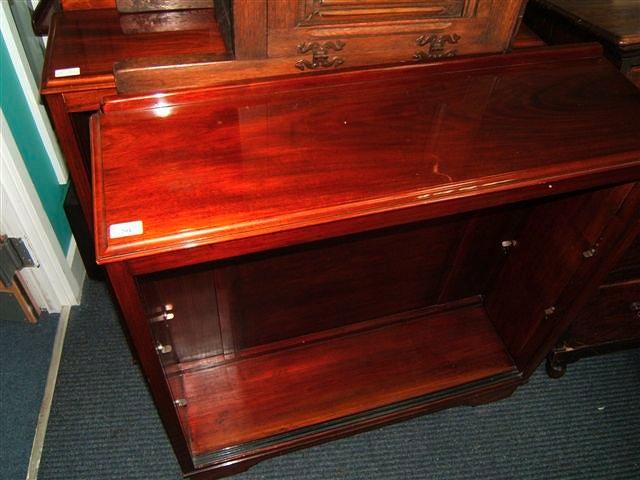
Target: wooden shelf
<point x="262" y="213"/>
<point x="328" y="384"/>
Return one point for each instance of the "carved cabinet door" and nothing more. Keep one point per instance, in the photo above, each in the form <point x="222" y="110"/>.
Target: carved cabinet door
<point x="323" y="34"/>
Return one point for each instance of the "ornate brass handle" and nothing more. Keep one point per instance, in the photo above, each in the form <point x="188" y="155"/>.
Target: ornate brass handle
<point x="320" y="55"/>
<point x="437" y="44"/>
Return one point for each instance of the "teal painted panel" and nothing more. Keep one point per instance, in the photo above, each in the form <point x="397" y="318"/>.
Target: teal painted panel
<point x="16" y="110"/>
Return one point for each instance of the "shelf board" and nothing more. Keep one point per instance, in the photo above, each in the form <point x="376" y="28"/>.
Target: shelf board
<point x="272" y="398"/>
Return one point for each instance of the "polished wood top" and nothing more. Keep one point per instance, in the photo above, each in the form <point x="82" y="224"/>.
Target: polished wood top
<point x="290" y="161"/>
<point x="93" y="40"/>
<point x="616" y="21"/>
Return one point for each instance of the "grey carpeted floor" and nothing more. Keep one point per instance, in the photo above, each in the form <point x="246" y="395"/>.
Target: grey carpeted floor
<point x="583" y="426"/>
<point x="25" y="351"/>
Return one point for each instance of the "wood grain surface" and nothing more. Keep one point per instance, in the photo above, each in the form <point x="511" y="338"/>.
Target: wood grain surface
<point x="255" y="160"/>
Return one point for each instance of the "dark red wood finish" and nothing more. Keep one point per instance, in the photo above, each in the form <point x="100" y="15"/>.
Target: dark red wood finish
<point x="570" y="228"/>
<point x="430" y="354"/>
<point x="617" y="316"/>
<point x="341" y="255"/>
<point x="628" y="268"/>
<point x="355" y="279"/>
<point x="126" y="293"/>
<point x="93" y="40"/>
<point x="87" y="4"/>
<point x="421" y="143"/>
<point x="187" y="299"/>
<point x="609" y="322"/>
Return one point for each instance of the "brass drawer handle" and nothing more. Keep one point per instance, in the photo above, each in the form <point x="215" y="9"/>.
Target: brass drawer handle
<point x="320" y="55"/>
<point x="437" y="44"/>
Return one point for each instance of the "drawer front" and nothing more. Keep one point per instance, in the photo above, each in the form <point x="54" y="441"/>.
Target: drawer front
<point x="612" y="316"/>
<point x="322" y="34"/>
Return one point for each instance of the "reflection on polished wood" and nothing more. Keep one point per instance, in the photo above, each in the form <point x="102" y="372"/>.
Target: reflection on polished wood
<point x="271" y="159"/>
<point x="87" y="4"/>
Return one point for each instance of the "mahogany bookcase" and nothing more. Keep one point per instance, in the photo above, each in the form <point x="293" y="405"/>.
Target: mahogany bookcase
<point x="301" y="259"/>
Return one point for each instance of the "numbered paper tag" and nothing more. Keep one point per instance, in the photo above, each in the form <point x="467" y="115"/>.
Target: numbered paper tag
<point x="128" y="229"/>
<point x="67" y="72"/>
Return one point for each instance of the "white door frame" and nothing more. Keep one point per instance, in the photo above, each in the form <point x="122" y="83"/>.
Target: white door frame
<point x="51" y="284"/>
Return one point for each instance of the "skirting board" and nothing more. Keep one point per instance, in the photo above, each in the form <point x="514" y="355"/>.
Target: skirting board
<point x="45" y="406"/>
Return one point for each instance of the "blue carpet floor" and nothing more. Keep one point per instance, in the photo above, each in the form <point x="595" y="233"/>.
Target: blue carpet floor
<point x="584" y="426"/>
<point x="25" y="352"/>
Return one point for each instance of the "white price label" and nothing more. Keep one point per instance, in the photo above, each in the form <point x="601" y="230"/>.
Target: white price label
<point x="67" y="72"/>
<point x="128" y="229"/>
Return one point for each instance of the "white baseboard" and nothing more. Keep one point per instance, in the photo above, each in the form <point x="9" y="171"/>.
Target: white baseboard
<point x="47" y="399"/>
<point x="77" y="266"/>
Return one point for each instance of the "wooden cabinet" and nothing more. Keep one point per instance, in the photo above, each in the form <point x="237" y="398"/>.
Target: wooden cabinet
<point x="318" y="34"/>
<point x="614" y="24"/>
<point x="610" y="321"/>
<point x="275" y="38"/>
<point x="91" y="38"/>
<point x="301" y="259"/>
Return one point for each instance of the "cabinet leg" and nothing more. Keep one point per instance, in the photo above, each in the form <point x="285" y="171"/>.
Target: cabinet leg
<point x="554" y="367"/>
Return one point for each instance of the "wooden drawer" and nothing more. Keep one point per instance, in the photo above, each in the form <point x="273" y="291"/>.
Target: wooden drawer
<point x="321" y="34"/>
<point x="612" y="316"/>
